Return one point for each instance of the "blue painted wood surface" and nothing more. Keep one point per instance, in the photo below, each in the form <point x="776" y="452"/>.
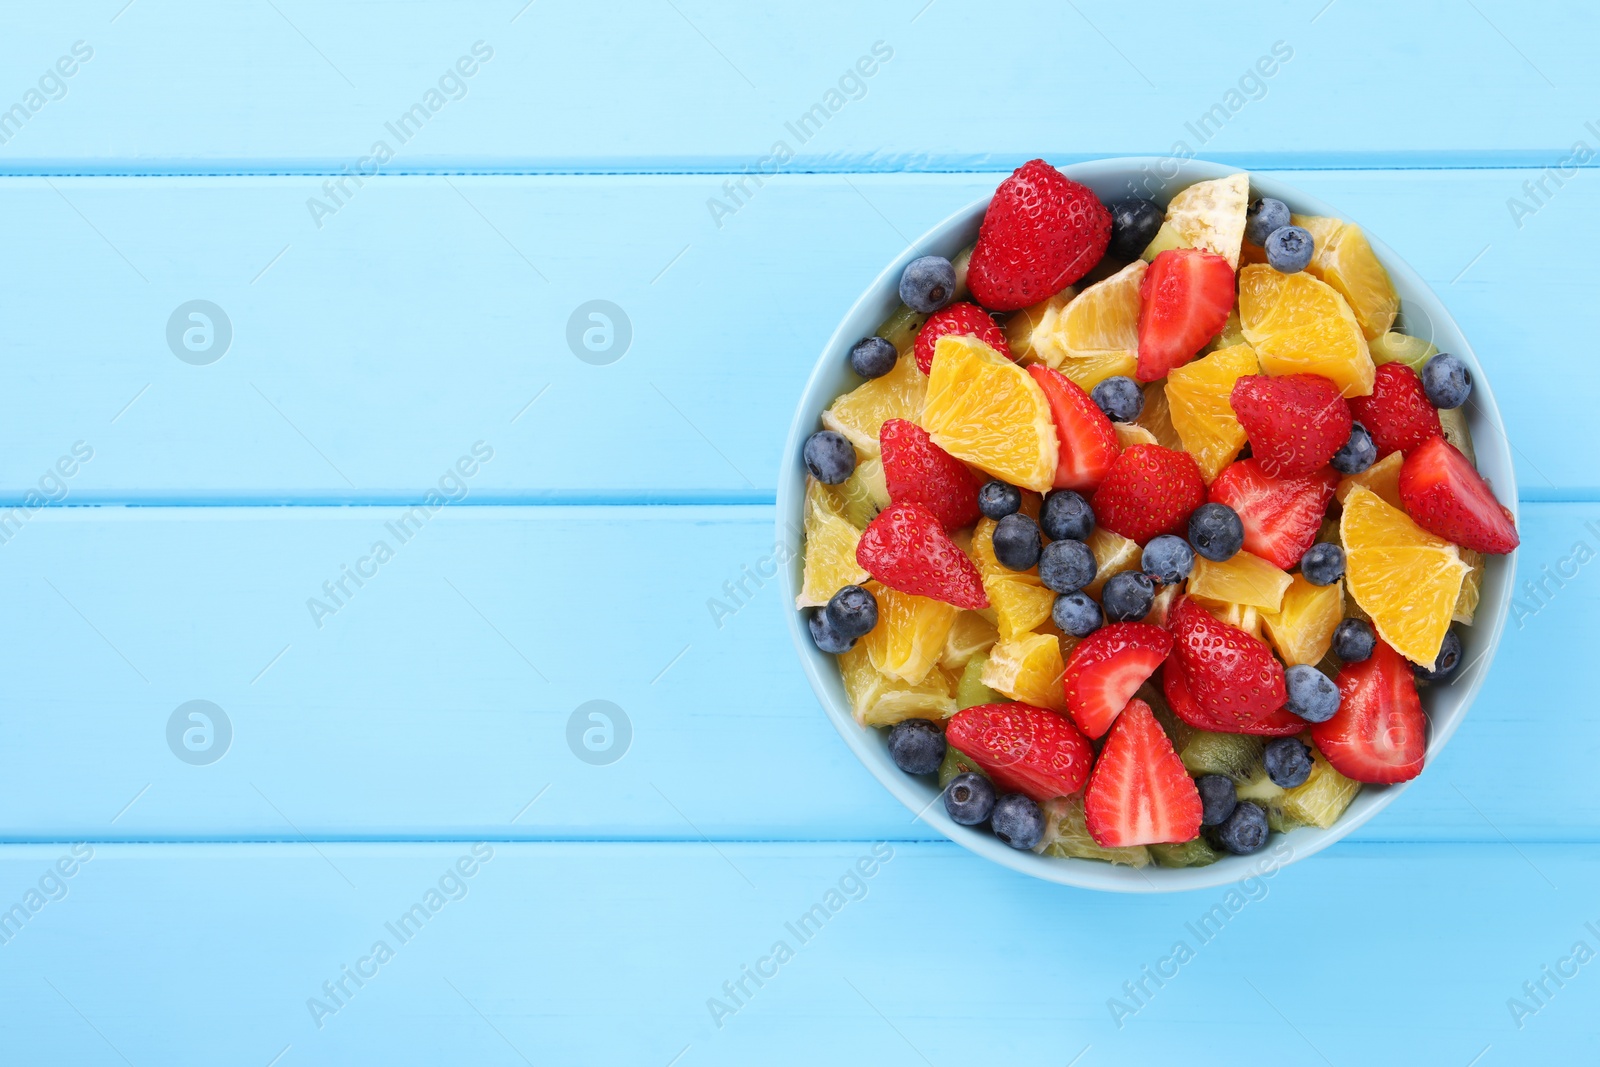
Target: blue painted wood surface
<point x="383" y="332"/>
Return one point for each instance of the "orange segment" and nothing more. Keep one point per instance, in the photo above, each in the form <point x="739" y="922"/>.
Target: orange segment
<point x="1027" y="667"/>
<point x="879" y="700"/>
<point x="1097" y="333"/>
<point x="984" y="409"/>
<point x="830" y="548"/>
<point x="1131" y="433"/>
<point x="1197" y="400"/>
<point x="1342" y="257"/>
<point x="1209" y="215"/>
<point x="1245" y="579"/>
<point x="1401" y="575"/>
<point x="1239" y="616"/>
<point x="1031" y="332"/>
<point x="1019" y="600"/>
<point x="1302" y="628"/>
<point x="971" y="636"/>
<point x="1383" y="478"/>
<point x="861" y="413"/>
<point x="1471" y="586"/>
<point x="910" y="635"/>
<point x="1157" y="416"/>
<point x="1300" y="325"/>
<point x="1113" y="554"/>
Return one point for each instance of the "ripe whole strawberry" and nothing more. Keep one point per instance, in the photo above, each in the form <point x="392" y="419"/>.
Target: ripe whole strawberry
<point x="907" y="549"/>
<point x="1280" y="516"/>
<point x="1397" y="414"/>
<point x="917" y="471"/>
<point x="1140" y="793"/>
<point x="962" y="318"/>
<point x="1234" y="678"/>
<point x="1023" y="749"/>
<point x="1042" y="232"/>
<point x="1149" y="490"/>
<point x="1295" y="422"/>
<point x="1184" y="302"/>
<point x="1446" y="495"/>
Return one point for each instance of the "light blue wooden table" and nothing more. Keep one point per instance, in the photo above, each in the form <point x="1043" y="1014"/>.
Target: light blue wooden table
<point x="397" y="214"/>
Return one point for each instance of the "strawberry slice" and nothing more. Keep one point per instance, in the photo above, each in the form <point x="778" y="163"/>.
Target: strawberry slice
<point x="1295" y="423"/>
<point x="917" y="471"/>
<point x="1149" y="490"/>
<point x="1140" y="793"/>
<point x="1281" y="723"/>
<point x="1446" y="495"/>
<point x="1107" y="668"/>
<point x="1088" y="440"/>
<point x="1379" y="734"/>
<point x="1042" y="232"/>
<point x="907" y="549"/>
<point x="1281" y="516"/>
<point x="963" y="318"/>
<point x="1023" y="749"/>
<point x="1184" y="302"/>
<point x="1234" y="678"/>
<point x="1397" y="414"/>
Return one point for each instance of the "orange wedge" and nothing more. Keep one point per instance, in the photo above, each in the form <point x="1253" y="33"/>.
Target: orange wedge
<point x="1401" y="575"/>
<point x="1342" y="257"/>
<point x="861" y="413"/>
<point x="1302" y="628"/>
<point x="1020" y="601"/>
<point x="1027" y="667"/>
<point x="829" y="563"/>
<point x="986" y="410"/>
<point x="910" y="635"/>
<point x="879" y="700"/>
<point x="1197" y="400"/>
<point x="1300" y="325"/>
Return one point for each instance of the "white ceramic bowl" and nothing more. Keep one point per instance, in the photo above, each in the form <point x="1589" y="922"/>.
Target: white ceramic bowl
<point x="1421" y="313"/>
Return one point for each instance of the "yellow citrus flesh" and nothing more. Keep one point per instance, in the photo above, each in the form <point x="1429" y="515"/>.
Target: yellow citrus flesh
<point x="1401" y="575"/>
<point x="910" y="635"/>
<point x="1302" y="627"/>
<point x="1244" y="579"/>
<point x="1300" y="325"/>
<point x="1131" y="433"/>
<point x="879" y="700"/>
<point x="1197" y="401"/>
<point x="1157" y="416"/>
<point x="1161" y="606"/>
<point x="1019" y="600"/>
<point x="1240" y="616"/>
<point x="1383" y="478"/>
<point x="1031" y="332"/>
<point x="1342" y="257"/>
<point x="1471" y="587"/>
<point x="1027" y="667"/>
<point x="1208" y="215"/>
<point x="1097" y="334"/>
<point x="1113" y="554"/>
<point x="830" y="549"/>
<point x="861" y="413"/>
<point x="986" y="410"/>
<point x="972" y="635"/>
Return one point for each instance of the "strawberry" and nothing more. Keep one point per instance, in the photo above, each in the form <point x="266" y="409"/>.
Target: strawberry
<point x="1184" y="302"/>
<point x="1446" y="495"/>
<point x="1397" y="414"/>
<point x="958" y="319"/>
<point x="1140" y="793"/>
<point x="917" y="471"/>
<point x="907" y="549"/>
<point x="1379" y="733"/>
<point x="1281" y="516"/>
<point x="1042" y="232"/>
<point x="1234" y="678"/>
<point x="1107" y="668"/>
<point x="1023" y="749"/>
<point x="1281" y="723"/>
<point x="1295" y="423"/>
<point x="1088" y="440"/>
<point x="1149" y="490"/>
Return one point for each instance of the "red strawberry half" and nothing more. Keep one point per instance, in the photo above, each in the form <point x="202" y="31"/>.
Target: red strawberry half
<point x="1446" y="495"/>
<point x="1107" y="668"/>
<point x="1088" y="440"/>
<point x="959" y="319"/>
<point x="1281" y="516"/>
<point x="907" y="549"/>
<point x="1149" y="490"/>
<point x="1184" y="302"/>
<point x="917" y="471"/>
<point x="1379" y="733"/>
<point x="1042" y="232"/>
<point x="1295" y="423"/>
<point x="1175" y="687"/>
<point x="1023" y="749"/>
<point x="1140" y="793"/>
<point x="1397" y="414"/>
<point x="1234" y="678"/>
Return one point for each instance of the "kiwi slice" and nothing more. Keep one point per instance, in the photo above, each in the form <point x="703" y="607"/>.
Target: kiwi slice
<point x="1320" y="799"/>
<point x="1196" y="853"/>
<point x="1066" y="834"/>
<point x="1236" y="755"/>
<point x="955" y="764"/>
<point x="1396" y="347"/>
<point x="970" y="690"/>
<point x="900" y="328"/>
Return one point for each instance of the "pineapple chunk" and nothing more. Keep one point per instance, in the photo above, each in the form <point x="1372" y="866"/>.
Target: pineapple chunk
<point x="1208" y="215"/>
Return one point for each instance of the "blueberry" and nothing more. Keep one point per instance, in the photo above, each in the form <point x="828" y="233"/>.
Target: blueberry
<point x="1323" y="564"/>
<point x="1289" y="249"/>
<point x="1016" y="541"/>
<point x="829" y="457"/>
<point x="1216" y="532"/>
<point x="916" y="746"/>
<point x="1217" y="798"/>
<point x="1066" y="515"/>
<point x="1066" y="566"/>
<point x="826" y="637"/>
<point x="1245" y="831"/>
<point x="873" y="357"/>
<point x="1077" y="614"/>
<point x="1312" y="694"/>
<point x="997" y="500"/>
<point x="1353" y="640"/>
<point x="928" y="284"/>
<point x="852" y="612"/>
<point x="1288" y="761"/>
<point x="1167" y="559"/>
<point x="969" y="798"/>
<point x="1356" y="454"/>
<point x="1017" y="821"/>
<point x="1134" y="223"/>
<point x="1128" y="597"/>
<point x="1119" y="397"/>
<point x="1263" y="217"/>
<point x="1446" y="380"/>
<point x="1445" y="664"/>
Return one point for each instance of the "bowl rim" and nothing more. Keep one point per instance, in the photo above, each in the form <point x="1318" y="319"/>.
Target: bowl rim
<point x="866" y="743"/>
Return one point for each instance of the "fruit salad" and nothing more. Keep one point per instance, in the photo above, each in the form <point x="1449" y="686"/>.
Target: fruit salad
<point x="1146" y="525"/>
